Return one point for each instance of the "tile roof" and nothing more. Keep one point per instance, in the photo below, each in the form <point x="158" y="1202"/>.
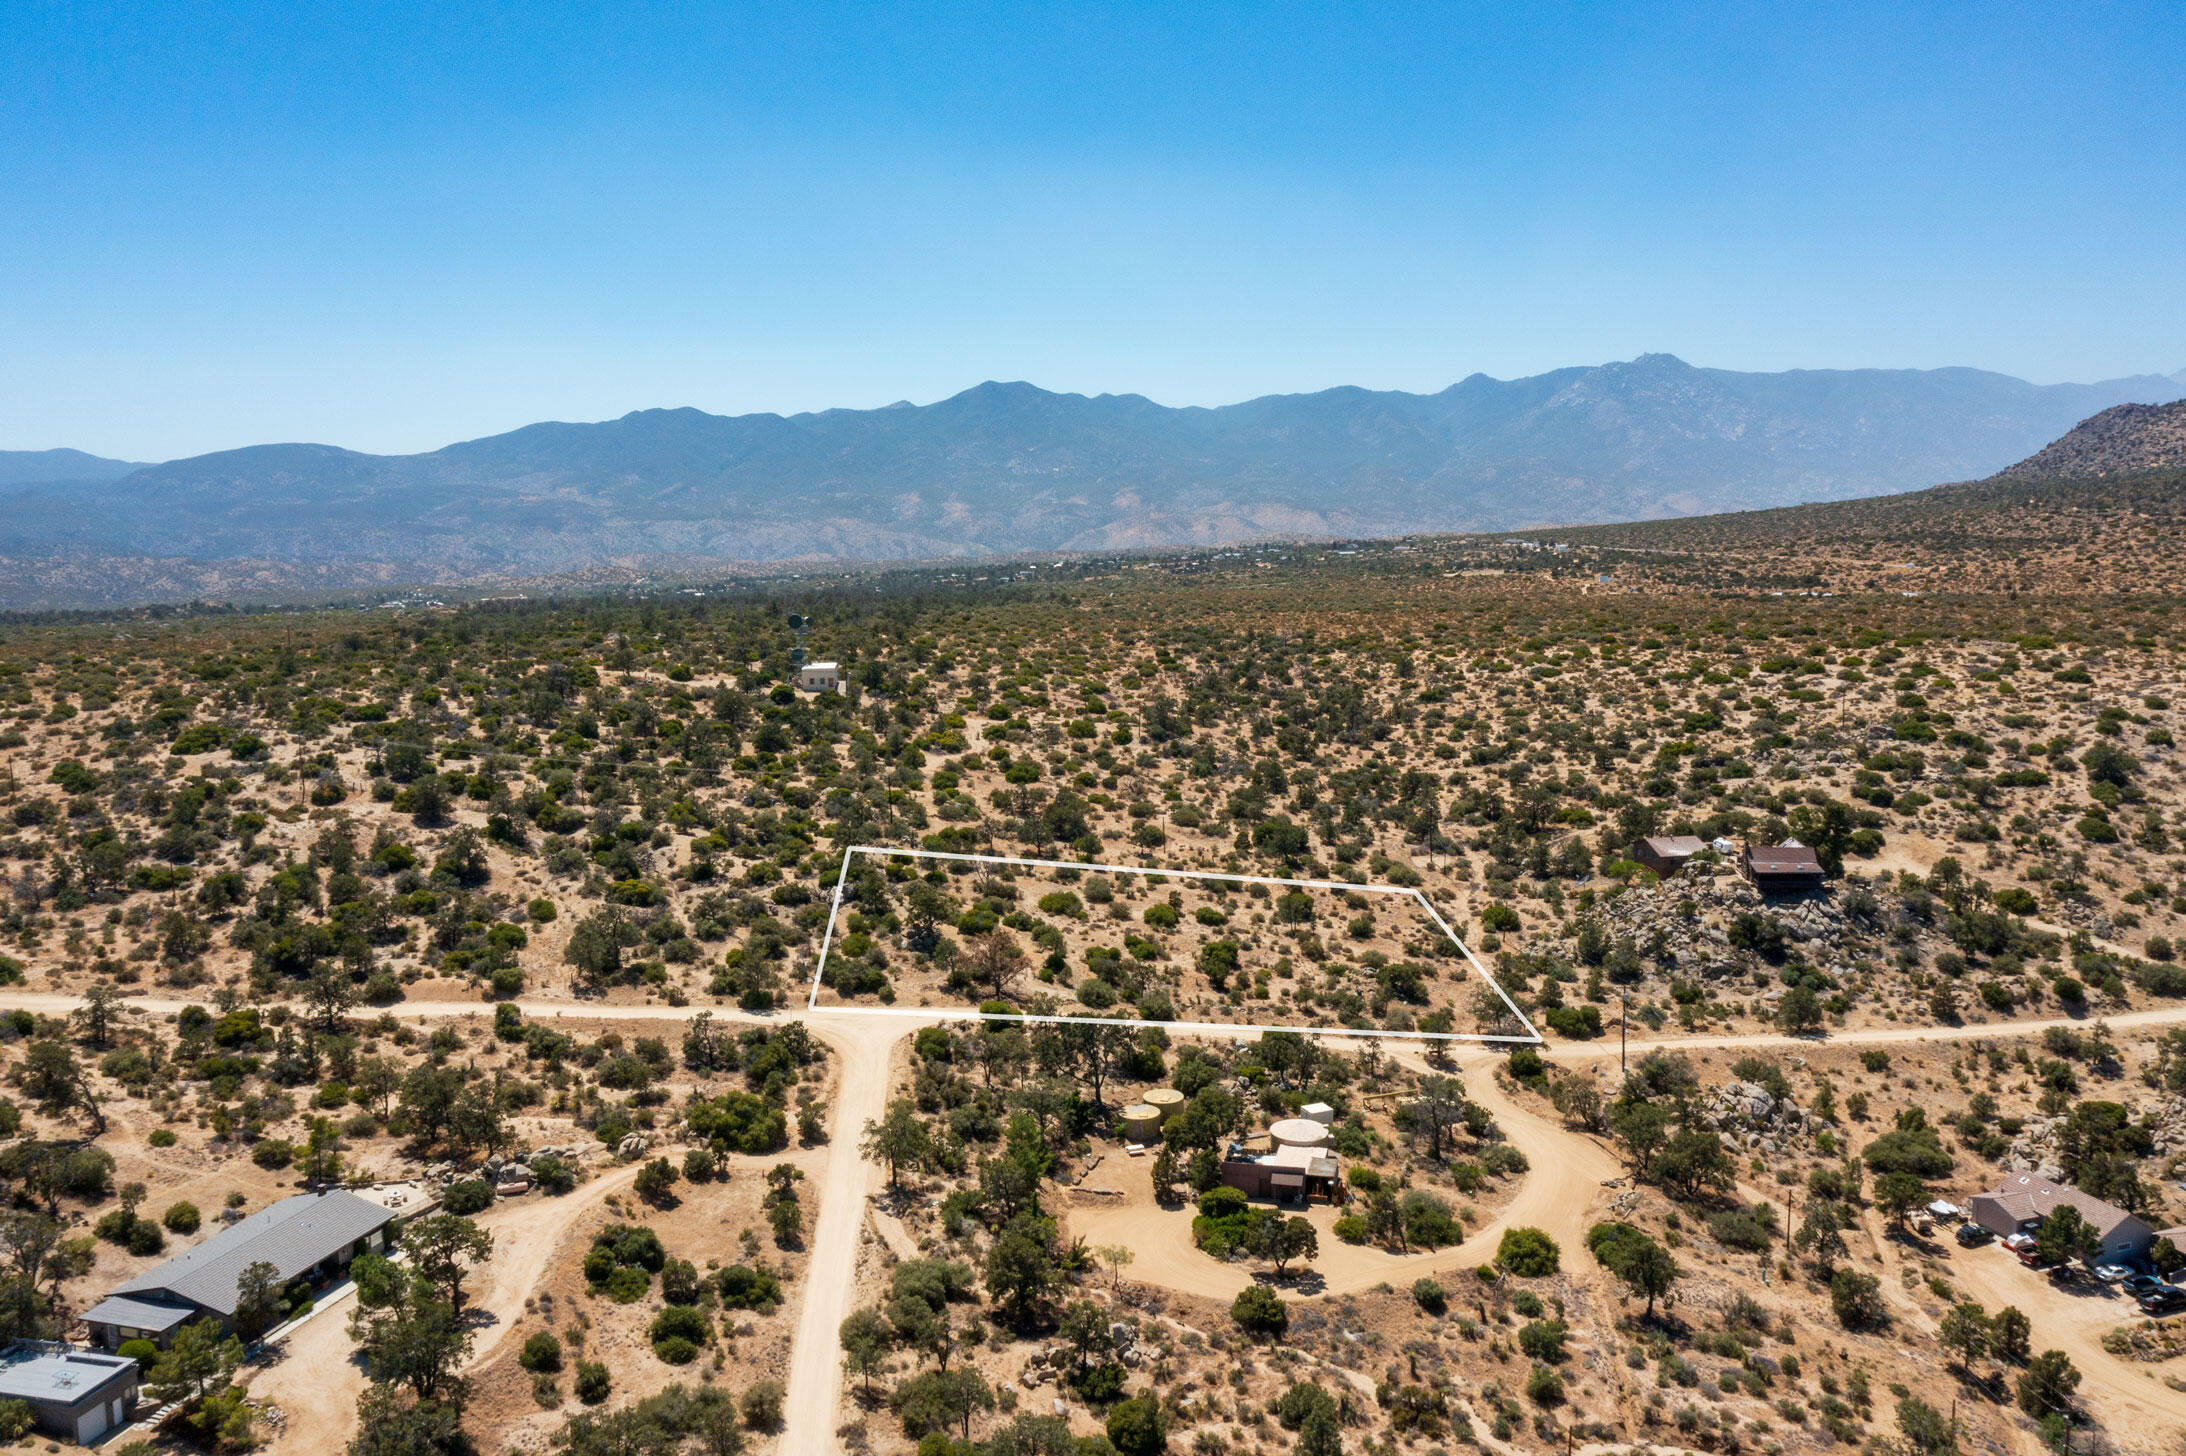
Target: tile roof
<point x="292" y="1235"/>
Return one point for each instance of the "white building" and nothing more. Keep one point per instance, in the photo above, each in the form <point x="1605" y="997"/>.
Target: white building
<point x="820" y="677"/>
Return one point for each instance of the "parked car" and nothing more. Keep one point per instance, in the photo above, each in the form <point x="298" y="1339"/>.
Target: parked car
<point x="2166" y="1299"/>
<point x="1973" y="1236"/>
<point x="2019" y="1243"/>
<point x="2141" y="1284"/>
<point x="2111" y="1273"/>
<point x="2029" y="1257"/>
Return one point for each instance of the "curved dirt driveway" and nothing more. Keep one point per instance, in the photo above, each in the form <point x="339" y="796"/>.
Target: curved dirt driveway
<point x="1559" y="1194"/>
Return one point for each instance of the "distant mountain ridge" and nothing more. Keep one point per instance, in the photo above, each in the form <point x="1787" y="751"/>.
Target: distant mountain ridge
<point x="46" y="467"/>
<point x="1009" y="467"/>
<point x="2125" y="439"/>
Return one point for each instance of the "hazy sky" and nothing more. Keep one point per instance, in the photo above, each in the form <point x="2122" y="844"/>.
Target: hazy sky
<point x="390" y="226"/>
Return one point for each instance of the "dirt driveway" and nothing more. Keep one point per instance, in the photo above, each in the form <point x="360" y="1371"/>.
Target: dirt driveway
<point x="315" y="1378"/>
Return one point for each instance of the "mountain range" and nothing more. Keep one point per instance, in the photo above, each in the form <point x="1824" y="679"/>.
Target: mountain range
<point x="1010" y="467"/>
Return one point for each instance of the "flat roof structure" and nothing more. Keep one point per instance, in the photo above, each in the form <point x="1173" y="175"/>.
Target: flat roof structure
<point x="79" y="1395"/>
<point x="36" y="1374"/>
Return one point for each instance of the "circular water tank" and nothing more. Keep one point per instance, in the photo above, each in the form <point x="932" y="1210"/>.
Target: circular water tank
<point x="1141" y="1123"/>
<point x="1167" y="1101"/>
<point x="1298" y="1132"/>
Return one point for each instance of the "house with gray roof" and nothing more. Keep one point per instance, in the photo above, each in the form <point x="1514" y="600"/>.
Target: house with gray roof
<point x="312" y="1236"/>
<point x="78" y="1395"/>
<point x="2020" y="1202"/>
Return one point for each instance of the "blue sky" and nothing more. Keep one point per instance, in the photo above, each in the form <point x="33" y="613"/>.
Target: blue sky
<point x="390" y="226"/>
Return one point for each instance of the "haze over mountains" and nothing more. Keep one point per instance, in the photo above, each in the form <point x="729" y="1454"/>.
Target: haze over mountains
<point x="1009" y="467"/>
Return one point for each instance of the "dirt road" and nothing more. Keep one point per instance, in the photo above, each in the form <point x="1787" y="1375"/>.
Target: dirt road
<point x="2130" y="1396"/>
<point x="815" y="1369"/>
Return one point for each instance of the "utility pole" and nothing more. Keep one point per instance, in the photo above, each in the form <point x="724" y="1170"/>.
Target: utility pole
<point x="1624" y="1026"/>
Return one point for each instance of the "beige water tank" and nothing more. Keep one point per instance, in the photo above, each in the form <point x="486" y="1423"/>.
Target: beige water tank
<point x="1142" y="1123"/>
<point x="1167" y="1101"/>
<point x="1298" y="1132"/>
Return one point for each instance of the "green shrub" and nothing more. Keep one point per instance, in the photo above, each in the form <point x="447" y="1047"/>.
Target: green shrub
<point x="553" y="1174"/>
<point x="1427" y="1220"/>
<point x="1543" y="1340"/>
<point x="542" y="1351"/>
<point x="761" y="1406"/>
<point x="161" y="1137"/>
<point x="1258" y="1310"/>
<point x="144" y="1352"/>
<point x="467" y="1196"/>
<point x="593" y="1382"/>
<point x="1528" y="1253"/>
<point x="679" y="1323"/>
<point x="743" y="1287"/>
<point x="1429" y="1296"/>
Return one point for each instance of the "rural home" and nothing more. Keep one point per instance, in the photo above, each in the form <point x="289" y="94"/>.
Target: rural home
<point x="2021" y="1201"/>
<point x="312" y="1236"/>
<point x="1781" y="869"/>
<point x="78" y="1395"/>
<point x="820" y="677"/>
<point x="1666" y="854"/>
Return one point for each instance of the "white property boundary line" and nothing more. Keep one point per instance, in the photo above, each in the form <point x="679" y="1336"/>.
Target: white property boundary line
<point x="835" y="903"/>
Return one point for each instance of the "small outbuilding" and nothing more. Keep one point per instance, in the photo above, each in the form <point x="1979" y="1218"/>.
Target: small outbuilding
<point x="1288" y="1174"/>
<point x="1782" y="869"/>
<point x="820" y="677"/>
<point x="1666" y="854"/>
<point x="78" y="1395"/>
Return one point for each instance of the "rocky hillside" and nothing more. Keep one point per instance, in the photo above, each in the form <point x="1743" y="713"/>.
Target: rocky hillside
<point x="2130" y="439"/>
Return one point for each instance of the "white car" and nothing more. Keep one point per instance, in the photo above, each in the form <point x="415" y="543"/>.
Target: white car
<point x="2111" y="1273"/>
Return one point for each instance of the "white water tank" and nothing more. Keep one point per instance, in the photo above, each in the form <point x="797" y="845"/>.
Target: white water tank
<point x="1298" y="1132"/>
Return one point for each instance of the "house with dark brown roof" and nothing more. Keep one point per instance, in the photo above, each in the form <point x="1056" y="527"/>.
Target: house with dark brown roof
<point x="2021" y="1201"/>
<point x="1781" y="869"/>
